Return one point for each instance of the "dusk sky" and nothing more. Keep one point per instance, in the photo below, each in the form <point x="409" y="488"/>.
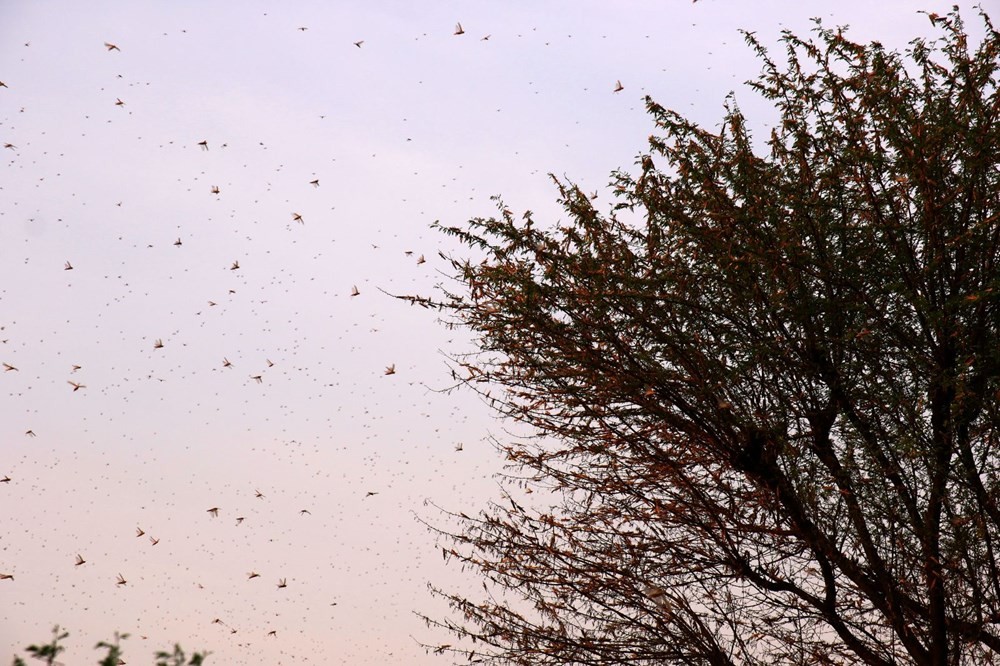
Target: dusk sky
<point x="204" y="290"/>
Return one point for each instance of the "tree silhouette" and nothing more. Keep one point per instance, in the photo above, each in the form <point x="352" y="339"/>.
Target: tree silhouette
<point x="759" y="399"/>
<point x="49" y="651"/>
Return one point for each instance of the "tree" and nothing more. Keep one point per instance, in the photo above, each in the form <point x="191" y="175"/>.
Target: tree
<point x="763" y="391"/>
<point x="49" y="651"/>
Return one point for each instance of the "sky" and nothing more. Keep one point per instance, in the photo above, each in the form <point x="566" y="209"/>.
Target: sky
<point x="183" y="220"/>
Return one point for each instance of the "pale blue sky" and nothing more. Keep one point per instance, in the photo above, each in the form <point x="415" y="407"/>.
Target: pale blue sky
<point x="416" y="125"/>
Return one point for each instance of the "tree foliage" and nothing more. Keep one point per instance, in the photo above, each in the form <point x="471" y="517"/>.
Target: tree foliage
<point x="762" y="393"/>
<point x="46" y="652"/>
<point x="49" y="651"/>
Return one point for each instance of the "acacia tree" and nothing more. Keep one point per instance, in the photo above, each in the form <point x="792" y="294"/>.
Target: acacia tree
<point x="762" y="393"/>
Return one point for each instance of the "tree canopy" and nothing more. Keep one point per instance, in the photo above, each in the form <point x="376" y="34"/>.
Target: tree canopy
<point x="48" y="652"/>
<point x="762" y="392"/>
